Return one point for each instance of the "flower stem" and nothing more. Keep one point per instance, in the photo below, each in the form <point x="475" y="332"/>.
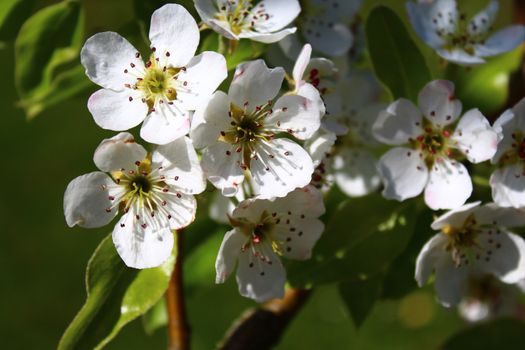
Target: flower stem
<point x="262" y="328"/>
<point x="178" y="328"/>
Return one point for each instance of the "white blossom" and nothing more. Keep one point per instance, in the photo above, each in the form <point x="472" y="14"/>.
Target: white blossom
<point x="238" y="133"/>
<point x="474" y="241"/>
<point x="508" y="180"/>
<point x="442" y="26"/>
<point x="162" y="92"/>
<point x="242" y="19"/>
<point x="153" y="192"/>
<point x="429" y="146"/>
<point x="263" y="231"/>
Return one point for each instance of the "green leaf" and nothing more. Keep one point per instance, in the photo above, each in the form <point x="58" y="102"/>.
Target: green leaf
<point x="500" y="334"/>
<point x="485" y="86"/>
<point x="47" y="65"/>
<point x="360" y="297"/>
<point x="361" y="239"/>
<point x="12" y="14"/>
<point x="155" y="318"/>
<point x="116" y="295"/>
<point x="396" y="59"/>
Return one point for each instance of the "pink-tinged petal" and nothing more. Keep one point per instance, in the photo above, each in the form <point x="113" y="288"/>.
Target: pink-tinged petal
<point x="139" y="247"/>
<point x="398" y="124"/>
<point x="229" y="251"/>
<point x="449" y="185"/>
<point x="404" y="173"/>
<point x="260" y="280"/>
<point x="111" y="61"/>
<point x="475" y="137"/>
<point x="174" y="34"/>
<point x="222" y="166"/>
<point x="181" y="166"/>
<point x="165" y="124"/>
<point x="256" y="84"/>
<point x="203" y="74"/>
<point x="117" y="111"/>
<point x="87" y="200"/>
<point x="508" y="186"/>
<point x="119" y="152"/>
<point x="438" y="104"/>
<point x="280" y="167"/>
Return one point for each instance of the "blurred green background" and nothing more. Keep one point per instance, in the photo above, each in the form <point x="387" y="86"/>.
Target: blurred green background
<point x="42" y="261"/>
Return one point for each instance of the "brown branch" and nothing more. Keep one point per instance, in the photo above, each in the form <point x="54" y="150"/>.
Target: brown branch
<point x="262" y="328"/>
<point x="178" y="328"/>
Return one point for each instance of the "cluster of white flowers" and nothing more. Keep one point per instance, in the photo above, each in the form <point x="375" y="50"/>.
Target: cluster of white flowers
<point x="271" y="152"/>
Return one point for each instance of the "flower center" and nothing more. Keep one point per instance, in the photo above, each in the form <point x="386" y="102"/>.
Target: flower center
<point x="158" y="83"/>
<point x="516" y="154"/>
<point x="239" y="15"/>
<point x="433" y="143"/>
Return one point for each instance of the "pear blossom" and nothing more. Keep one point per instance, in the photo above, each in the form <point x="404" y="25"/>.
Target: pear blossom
<point x="242" y="19"/>
<point x="474" y="241"/>
<point x="326" y="25"/>
<point x="153" y="192"/>
<point x="430" y="145"/>
<point x="508" y="181"/>
<point x="263" y="231"/>
<point x="162" y="92"/>
<point x="238" y="134"/>
<point x="442" y="26"/>
<point x="488" y="298"/>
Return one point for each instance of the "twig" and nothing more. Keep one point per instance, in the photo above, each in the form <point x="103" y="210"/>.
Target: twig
<point x="178" y="328"/>
<point x="262" y="328"/>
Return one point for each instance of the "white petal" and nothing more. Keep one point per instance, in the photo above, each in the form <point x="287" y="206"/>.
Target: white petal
<point x="221" y="165"/>
<point x="492" y="214"/>
<point x="506" y="259"/>
<point x="181" y="166"/>
<point x="311" y="93"/>
<point x="296" y="115"/>
<point x="210" y="119"/>
<point x="174" y="30"/>
<point x="118" y="152"/>
<point x="86" y="200"/>
<point x="404" y="173"/>
<point x="399" y="123"/>
<point x="508" y="186"/>
<point x="355" y="172"/>
<point x="255" y="83"/>
<point x="181" y="208"/>
<point x="203" y="74"/>
<point x="502" y="41"/>
<point x="262" y="281"/>
<point x="319" y="145"/>
<point x="361" y="123"/>
<point x="456" y="217"/>
<point x="332" y="39"/>
<point x="438" y="104"/>
<point x="221" y="207"/>
<point x="208" y="10"/>
<point x="281" y="13"/>
<point x="117" y="111"/>
<point x="297" y="236"/>
<point x="460" y="56"/>
<point x="428" y="257"/>
<point x="165" y="124"/>
<point x="422" y="16"/>
<point x="267" y="38"/>
<point x="505" y="126"/>
<point x="307" y="201"/>
<point x="301" y="64"/>
<point x="141" y="248"/>
<point x="475" y="137"/>
<point x="281" y="166"/>
<point x="229" y="251"/>
<point x="106" y="56"/>
<point x="449" y="185"/>
<point x="482" y="22"/>
<point x="450" y="282"/>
